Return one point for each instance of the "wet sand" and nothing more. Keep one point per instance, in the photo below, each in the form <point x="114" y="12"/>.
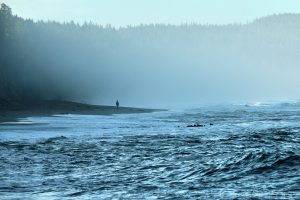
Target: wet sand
<point x="12" y="113"/>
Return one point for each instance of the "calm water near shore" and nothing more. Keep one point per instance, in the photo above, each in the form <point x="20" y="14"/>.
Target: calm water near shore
<point x="242" y="152"/>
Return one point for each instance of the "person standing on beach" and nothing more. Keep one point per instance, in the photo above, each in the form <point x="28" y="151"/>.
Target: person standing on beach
<point x="117" y="104"/>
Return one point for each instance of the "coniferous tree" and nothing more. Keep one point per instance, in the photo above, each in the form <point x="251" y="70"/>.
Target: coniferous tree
<point x="68" y="61"/>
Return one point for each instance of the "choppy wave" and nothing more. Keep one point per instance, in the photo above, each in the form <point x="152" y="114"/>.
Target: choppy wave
<point x="155" y="156"/>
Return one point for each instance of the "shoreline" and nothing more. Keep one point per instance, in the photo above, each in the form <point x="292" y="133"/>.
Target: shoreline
<point x="14" y="113"/>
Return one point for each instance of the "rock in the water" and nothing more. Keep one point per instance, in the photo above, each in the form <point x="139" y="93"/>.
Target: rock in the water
<point x="195" y="125"/>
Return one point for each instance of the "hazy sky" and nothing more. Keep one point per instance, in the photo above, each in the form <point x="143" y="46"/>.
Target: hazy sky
<point x="125" y="12"/>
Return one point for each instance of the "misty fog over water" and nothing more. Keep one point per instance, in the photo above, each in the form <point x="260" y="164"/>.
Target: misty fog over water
<point x="155" y="64"/>
<point x="245" y="145"/>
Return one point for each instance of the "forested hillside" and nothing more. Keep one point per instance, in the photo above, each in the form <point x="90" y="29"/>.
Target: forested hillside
<point x="148" y="63"/>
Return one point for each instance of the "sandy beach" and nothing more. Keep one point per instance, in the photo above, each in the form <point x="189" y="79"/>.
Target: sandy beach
<point x="15" y="111"/>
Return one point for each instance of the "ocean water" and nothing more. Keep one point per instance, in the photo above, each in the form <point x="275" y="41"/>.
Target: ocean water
<point x="241" y="152"/>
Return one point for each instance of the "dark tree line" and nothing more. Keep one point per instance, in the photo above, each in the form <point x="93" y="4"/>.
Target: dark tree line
<point x="50" y="60"/>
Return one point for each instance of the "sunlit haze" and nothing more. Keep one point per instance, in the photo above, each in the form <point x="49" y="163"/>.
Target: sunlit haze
<point x="253" y="56"/>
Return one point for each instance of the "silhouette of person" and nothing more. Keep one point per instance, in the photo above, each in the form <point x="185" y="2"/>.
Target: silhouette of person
<point x="117" y="104"/>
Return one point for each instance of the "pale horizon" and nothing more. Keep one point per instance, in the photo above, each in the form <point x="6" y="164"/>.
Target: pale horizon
<point x="133" y="12"/>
